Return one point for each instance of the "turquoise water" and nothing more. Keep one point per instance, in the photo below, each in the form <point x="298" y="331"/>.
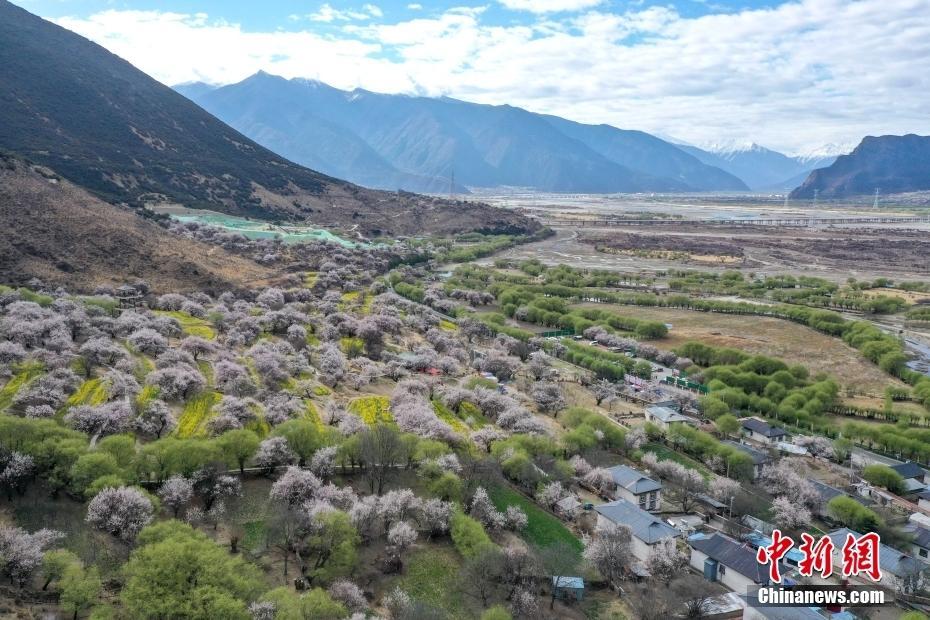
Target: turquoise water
<point x="256" y="229"/>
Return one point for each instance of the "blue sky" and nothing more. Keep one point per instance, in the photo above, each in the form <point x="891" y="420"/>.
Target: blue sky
<point x="789" y="75"/>
<point x="274" y="14"/>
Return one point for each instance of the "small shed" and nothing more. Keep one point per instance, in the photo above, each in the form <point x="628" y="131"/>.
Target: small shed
<point x="568" y="588"/>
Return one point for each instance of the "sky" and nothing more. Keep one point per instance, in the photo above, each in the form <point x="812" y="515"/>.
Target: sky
<point x="794" y="76"/>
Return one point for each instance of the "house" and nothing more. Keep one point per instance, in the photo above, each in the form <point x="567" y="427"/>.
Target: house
<point x="791" y="448"/>
<point x="664" y="417"/>
<point x="827" y="493"/>
<point x="734" y="564"/>
<point x="568" y="507"/>
<point x="751" y="612"/>
<point x="648" y="530"/>
<point x="636" y="487"/>
<point x="919" y="518"/>
<point x="712" y="505"/>
<point x="920" y="546"/>
<point x="758" y="458"/>
<point x="923" y="499"/>
<point x="900" y="571"/>
<point x="914" y="476"/>
<point x="568" y="589"/>
<point x="760" y="431"/>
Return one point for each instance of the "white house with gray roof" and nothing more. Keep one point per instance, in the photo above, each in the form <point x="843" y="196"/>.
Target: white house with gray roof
<point x="761" y="431"/>
<point x="759" y="458"/>
<point x="664" y="417"/>
<point x="648" y="530"/>
<point x="734" y="564"/>
<point x="636" y="487"/>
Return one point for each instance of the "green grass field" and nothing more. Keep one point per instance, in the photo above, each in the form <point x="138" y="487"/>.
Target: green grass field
<point x="191" y="325"/>
<point x="23" y="377"/>
<point x="542" y="529"/>
<point x="432" y="577"/>
<point x="91" y="392"/>
<point x="372" y="409"/>
<point x="197" y="412"/>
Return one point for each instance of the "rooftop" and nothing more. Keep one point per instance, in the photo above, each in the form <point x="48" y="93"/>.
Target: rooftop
<point x="645" y="526"/>
<point x="665" y="414"/>
<point x="633" y="480"/>
<point x="763" y="428"/>
<point x="758" y="458"/>
<point x="909" y="470"/>
<point x="740" y="557"/>
<point x="567" y="582"/>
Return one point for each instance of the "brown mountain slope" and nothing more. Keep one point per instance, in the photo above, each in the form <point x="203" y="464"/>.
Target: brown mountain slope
<point x="71" y="105"/>
<point x="64" y="236"/>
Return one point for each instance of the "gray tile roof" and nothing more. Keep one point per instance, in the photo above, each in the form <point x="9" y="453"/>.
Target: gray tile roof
<point x="825" y="490"/>
<point x="763" y="428"/>
<point x="634" y="481"/>
<point x="783" y="613"/>
<point x="921" y="537"/>
<point x="909" y="470"/>
<point x="665" y="414"/>
<point x="645" y="526"/>
<point x="740" y="557"/>
<point x="758" y="458"/>
<point x="889" y="560"/>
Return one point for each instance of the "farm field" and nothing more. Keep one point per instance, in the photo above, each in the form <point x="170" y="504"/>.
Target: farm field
<point x="791" y="342"/>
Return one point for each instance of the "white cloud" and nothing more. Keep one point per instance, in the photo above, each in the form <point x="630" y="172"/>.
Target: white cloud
<point x="791" y="77"/>
<point x="414" y="6"/>
<point x="550" y="6"/>
<point x="328" y="14"/>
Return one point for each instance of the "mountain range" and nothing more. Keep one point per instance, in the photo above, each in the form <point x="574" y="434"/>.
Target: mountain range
<point x="91" y="117"/>
<point x="418" y="143"/>
<point x="760" y="168"/>
<point x="891" y="164"/>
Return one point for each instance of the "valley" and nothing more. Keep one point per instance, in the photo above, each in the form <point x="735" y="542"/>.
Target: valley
<point x="272" y="349"/>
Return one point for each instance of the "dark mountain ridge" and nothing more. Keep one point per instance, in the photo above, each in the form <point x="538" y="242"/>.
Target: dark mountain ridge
<point x="891" y="164"/>
<point x="74" y="107"/>
<point x="430" y="138"/>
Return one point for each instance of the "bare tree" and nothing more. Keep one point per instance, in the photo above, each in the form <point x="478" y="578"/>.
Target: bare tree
<point x="380" y="448"/>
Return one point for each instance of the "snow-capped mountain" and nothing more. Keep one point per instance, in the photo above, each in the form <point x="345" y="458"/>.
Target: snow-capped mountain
<point x="762" y="168"/>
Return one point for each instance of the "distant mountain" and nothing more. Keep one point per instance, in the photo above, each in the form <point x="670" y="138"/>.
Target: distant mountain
<point x="893" y="164"/>
<point x="760" y="168"/>
<point x="192" y="90"/>
<point x="101" y="123"/>
<point x="641" y="151"/>
<point x="418" y="142"/>
<point x="61" y="234"/>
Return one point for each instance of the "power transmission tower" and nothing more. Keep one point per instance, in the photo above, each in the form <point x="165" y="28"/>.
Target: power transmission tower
<point x="875" y="204"/>
<point x="452" y="185"/>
